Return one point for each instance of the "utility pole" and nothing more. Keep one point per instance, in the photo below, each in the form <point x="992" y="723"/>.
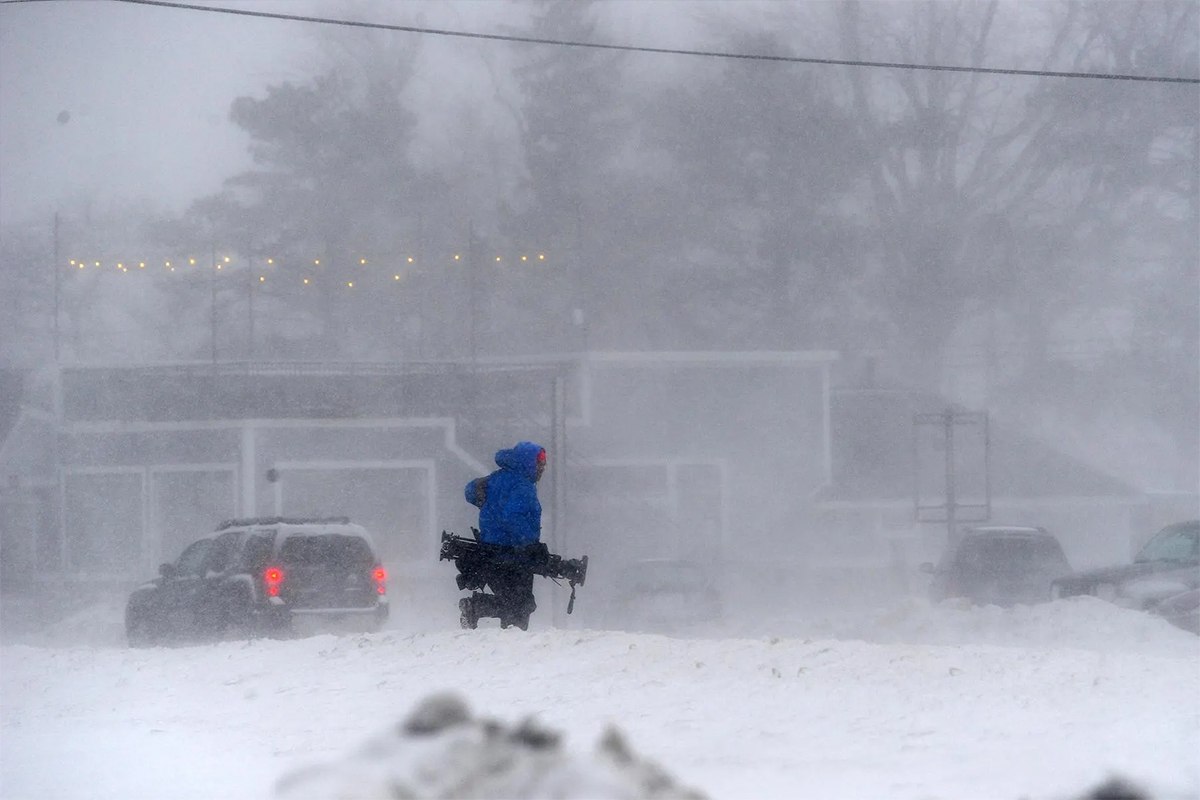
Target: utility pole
<point x="472" y="292"/>
<point x="578" y="311"/>
<point x="57" y="292"/>
<point x="951" y="502"/>
<point x="558" y="443"/>
<point x="249" y="304"/>
<point x="212" y="283"/>
<point x="59" y="411"/>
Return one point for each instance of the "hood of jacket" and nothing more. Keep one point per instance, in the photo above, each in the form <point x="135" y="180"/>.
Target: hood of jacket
<point x="520" y="458"/>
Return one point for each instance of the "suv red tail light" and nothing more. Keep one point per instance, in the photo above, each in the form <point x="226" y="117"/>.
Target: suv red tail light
<point x="380" y="576"/>
<point x="272" y="578"/>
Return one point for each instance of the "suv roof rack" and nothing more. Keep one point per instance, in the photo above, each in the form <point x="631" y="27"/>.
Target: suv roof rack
<point x="237" y="523"/>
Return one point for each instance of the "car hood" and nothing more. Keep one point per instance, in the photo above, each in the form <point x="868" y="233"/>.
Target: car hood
<point x="1127" y="572"/>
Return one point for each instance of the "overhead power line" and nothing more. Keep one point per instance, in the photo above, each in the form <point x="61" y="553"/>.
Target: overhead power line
<point x="659" y="50"/>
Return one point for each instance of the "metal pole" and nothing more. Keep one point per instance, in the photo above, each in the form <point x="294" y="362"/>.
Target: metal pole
<point x="951" y="500"/>
<point x="558" y="445"/>
<point x="472" y="291"/>
<point x="250" y="304"/>
<point x="57" y="291"/>
<point x="987" y="468"/>
<point x="59" y="413"/>
<point x="212" y="282"/>
<point x="576" y="274"/>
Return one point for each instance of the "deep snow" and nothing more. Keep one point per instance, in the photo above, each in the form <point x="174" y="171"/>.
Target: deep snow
<point x="911" y="701"/>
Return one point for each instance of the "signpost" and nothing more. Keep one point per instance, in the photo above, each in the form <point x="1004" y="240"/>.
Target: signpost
<point x="951" y="480"/>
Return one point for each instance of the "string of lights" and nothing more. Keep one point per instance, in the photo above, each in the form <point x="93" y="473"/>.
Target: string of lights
<point x="305" y="272"/>
<point x="1108" y="76"/>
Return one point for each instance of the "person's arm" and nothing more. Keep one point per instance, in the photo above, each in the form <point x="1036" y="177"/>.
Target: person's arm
<point x="476" y="491"/>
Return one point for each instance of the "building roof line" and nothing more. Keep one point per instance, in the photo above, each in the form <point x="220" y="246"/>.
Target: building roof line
<point x="514" y="362"/>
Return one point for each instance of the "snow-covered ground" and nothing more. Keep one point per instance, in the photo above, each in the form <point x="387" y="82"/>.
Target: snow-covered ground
<point x="911" y="701"/>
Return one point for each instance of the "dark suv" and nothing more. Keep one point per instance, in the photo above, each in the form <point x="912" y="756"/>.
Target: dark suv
<point x="261" y="576"/>
<point x="999" y="565"/>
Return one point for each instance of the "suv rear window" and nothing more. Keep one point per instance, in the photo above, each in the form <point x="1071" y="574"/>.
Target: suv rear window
<point x="330" y="549"/>
<point x="1011" y="552"/>
<point x="191" y="562"/>
<point x="256" y="552"/>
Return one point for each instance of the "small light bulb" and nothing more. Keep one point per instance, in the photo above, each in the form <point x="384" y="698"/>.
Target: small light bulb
<point x="262" y="278"/>
<point x="270" y="261"/>
<point x="541" y="256"/>
<point x="410" y="259"/>
<point x="456" y="256"/>
<point x="141" y="265"/>
<point x="497" y="258"/>
<point x="397" y="277"/>
<point x="306" y="281"/>
<point x="226" y="259"/>
<point x="317" y="261"/>
<point x="192" y="262"/>
<point x="362" y="261"/>
<point x="524" y="258"/>
<point x="349" y="284"/>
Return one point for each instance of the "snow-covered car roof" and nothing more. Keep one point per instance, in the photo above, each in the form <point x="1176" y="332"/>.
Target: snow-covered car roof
<point x="1015" y="530"/>
<point x="291" y="526"/>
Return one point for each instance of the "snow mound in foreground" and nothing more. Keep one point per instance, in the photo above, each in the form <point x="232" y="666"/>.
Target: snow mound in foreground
<point x="441" y="751"/>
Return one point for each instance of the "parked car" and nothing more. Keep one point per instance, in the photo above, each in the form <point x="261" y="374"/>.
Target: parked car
<point x="664" y="595"/>
<point x="1167" y="566"/>
<point x="998" y="565"/>
<point x="261" y="577"/>
<point x="1182" y="610"/>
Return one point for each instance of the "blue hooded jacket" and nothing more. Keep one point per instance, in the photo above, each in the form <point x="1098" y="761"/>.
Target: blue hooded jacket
<point x="509" y="511"/>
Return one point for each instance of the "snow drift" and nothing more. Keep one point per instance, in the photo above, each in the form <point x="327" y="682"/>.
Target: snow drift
<point x="442" y="751"/>
<point x="907" y="702"/>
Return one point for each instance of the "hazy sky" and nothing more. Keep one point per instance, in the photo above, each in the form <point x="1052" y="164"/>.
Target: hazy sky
<point x="147" y="92"/>
<point x="108" y="102"/>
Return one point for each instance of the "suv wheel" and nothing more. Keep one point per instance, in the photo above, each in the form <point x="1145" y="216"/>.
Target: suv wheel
<point x="237" y="616"/>
<point x="468" y="618"/>
<point x="275" y="624"/>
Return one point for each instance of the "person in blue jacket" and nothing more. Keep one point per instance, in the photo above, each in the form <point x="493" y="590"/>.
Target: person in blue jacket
<point x="510" y="518"/>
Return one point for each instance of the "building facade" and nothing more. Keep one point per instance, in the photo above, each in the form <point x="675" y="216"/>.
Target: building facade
<point x="112" y="470"/>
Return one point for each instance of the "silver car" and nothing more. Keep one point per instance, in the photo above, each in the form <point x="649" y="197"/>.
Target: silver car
<point x="1167" y="566"/>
